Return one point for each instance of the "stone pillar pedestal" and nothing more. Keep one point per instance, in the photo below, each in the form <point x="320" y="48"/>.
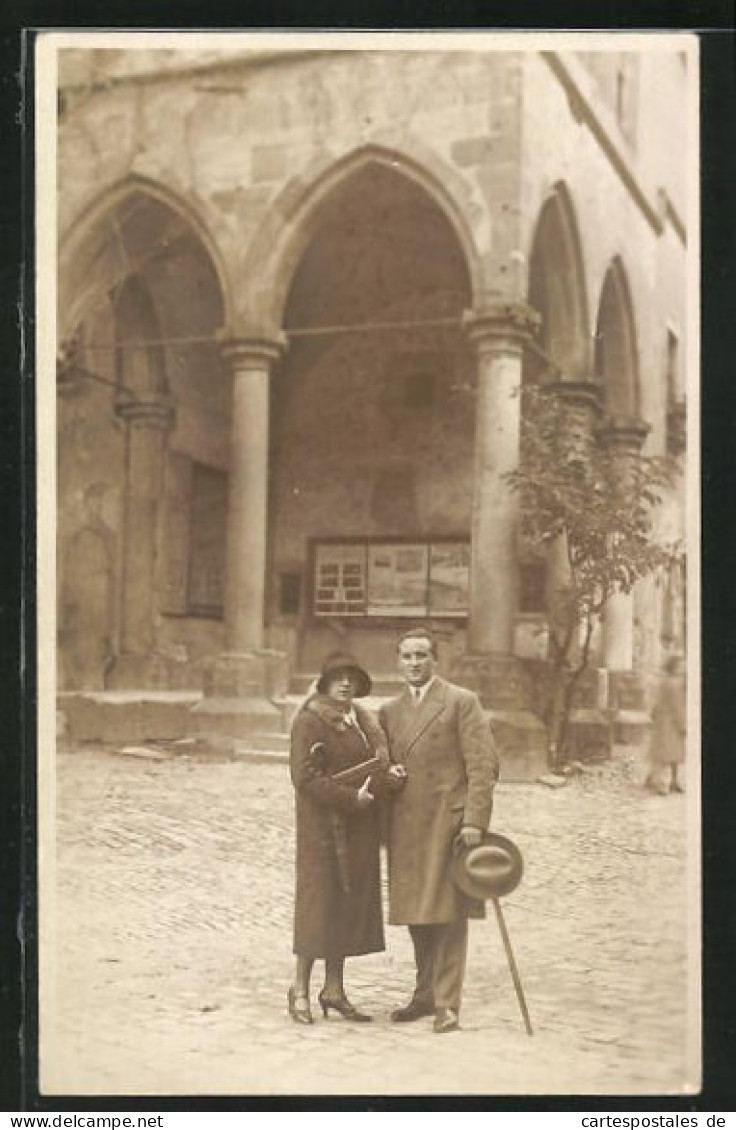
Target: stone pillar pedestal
<point x="521" y="738"/>
<point x="490" y="669"/>
<point x="628" y="706"/>
<point x="241" y="696"/>
<point x="625" y="437"/>
<point x="241" y="684"/>
<point x="148" y="420"/>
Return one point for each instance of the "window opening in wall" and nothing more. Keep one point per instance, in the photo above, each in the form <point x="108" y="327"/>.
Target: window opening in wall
<point x="208" y="523"/>
<point x="290" y="594"/>
<point x="620" y="97"/>
<point x="675" y="408"/>
<point x="672" y="364"/>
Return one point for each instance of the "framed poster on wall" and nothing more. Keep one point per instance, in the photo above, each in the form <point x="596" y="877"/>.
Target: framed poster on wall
<point x="389" y="578"/>
<point x="397" y="579"/>
<point x="449" y="578"/>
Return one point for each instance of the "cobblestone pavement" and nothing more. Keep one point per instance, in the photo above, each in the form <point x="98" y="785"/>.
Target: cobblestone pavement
<point x="171" y="946"/>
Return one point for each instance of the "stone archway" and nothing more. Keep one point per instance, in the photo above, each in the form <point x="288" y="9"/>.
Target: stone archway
<point x="617" y="369"/>
<point x="93" y="248"/>
<point x="557" y="291"/>
<point x="299" y="209"/>
<point x="144" y="403"/>
<point x="616" y="359"/>
<point x="368" y="438"/>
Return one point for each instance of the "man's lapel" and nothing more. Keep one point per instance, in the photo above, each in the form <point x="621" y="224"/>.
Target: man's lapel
<point x="414" y="720"/>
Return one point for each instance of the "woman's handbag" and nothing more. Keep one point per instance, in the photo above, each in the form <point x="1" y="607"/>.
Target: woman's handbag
<point x="355" y="776"/>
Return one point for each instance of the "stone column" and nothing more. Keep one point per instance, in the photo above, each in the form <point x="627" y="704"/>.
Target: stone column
<point x="249" y="361"/>
<point x="490" y="667"/>
<point x="625" y="437"/>
<point x="147" y="419"/>
<point x="498" y="334"/>
<point x="239" y="683"/>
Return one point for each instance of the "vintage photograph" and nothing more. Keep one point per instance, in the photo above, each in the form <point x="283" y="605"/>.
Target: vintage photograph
<point x="367" y="417"/>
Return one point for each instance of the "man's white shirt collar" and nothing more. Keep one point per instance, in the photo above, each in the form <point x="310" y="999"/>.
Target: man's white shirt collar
<point x="418" y="693"/>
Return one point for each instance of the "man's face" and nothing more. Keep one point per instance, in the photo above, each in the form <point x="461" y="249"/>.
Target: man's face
<point x="416" y="661"/>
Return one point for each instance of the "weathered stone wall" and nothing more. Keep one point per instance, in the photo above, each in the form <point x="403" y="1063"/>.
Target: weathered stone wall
<point x="251" y="157"/>
<point x="233" y="145"/>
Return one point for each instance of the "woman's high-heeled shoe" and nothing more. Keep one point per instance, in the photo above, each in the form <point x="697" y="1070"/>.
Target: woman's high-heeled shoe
<point x="343" y="1006"/>
<point x="299" y="1013"/>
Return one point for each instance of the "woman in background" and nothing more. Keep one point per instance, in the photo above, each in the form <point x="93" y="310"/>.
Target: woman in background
<point x="667" y="744"/>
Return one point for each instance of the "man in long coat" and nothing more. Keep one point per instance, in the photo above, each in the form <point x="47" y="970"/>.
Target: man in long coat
<point x="441" y="735"/>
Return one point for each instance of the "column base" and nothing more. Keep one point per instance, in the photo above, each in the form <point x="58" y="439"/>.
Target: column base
<point x="628" y="705"/>
<point x="589" y="735"/>
<point x="590" y="728"/>
<point x="498" y="680"/>
<point x="521" y="738"/>
<point x="152" y="672"/>
<point x="239" y="693"/>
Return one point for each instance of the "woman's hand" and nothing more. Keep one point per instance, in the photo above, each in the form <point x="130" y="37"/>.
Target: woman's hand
<point x="365" y="797"/>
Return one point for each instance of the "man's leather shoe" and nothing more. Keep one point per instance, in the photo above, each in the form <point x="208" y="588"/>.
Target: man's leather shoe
<point x="446" y="1020"/>
<point x="414" y="1010"/>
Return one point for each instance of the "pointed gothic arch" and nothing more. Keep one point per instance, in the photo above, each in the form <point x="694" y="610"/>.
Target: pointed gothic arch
<point x="301" y="205"/>
<point x="557" y="288"/>
<point x="616" y="360"/>
<point x="93" y="250"/>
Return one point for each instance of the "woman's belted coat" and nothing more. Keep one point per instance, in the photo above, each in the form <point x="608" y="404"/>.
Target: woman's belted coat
<point x="667" y="740"/>
<point x="338" y="891"/>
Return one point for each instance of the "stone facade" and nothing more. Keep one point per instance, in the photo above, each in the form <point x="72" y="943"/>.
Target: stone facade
<point x="228" y="222"/>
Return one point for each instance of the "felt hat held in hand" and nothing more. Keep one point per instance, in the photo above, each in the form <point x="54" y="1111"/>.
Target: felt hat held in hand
<point x="490" y="870"/>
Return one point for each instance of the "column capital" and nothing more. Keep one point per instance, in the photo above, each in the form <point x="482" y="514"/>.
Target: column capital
<point x="506" y="323"/>
<point x="578" y="393"/>
<point x="153" y="410"/>
<point x="625" y="434"/>
<point x="251" y="350"/>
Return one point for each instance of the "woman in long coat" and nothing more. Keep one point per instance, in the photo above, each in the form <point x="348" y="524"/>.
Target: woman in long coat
<point x="667" y="742"/>
<point x="338" y="894"/>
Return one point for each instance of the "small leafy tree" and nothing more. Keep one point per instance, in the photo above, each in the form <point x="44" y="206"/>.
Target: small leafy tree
<point x="598" y="509"/>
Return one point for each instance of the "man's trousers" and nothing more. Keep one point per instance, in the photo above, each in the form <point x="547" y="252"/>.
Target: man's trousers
<point x="440" y="952"/>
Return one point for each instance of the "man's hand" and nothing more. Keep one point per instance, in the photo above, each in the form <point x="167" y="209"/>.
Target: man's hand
<point x="365" y="797"/>
<point x="469" y="836"/>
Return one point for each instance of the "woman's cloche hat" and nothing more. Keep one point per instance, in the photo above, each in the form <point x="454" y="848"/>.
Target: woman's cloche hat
<point x="490" y="870"/>
<point x="341" y="661"/>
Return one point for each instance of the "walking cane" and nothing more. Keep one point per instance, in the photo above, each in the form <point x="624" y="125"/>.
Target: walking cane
<point x="489" y="870"/>
<point x="512" y="966"/>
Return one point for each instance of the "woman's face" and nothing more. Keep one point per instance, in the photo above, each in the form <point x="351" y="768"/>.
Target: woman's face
<point x="341" y="688"/>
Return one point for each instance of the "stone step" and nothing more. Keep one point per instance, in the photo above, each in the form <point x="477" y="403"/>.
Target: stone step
<point x="268" y="742"/>
<point x="237" y="717"/>
<point x="259" y="729"/>
<point x="384" y="685"/>
<point x="291" y="703"/>
<point x="130" y="717"/>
